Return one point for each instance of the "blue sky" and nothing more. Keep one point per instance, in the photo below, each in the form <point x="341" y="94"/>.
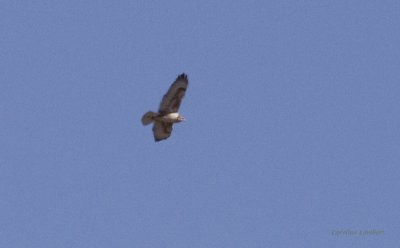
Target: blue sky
<point x="292" y="128"/>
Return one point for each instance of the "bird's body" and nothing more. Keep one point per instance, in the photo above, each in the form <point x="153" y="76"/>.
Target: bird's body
<point x="168" y="111"/>
<point x="172" y="117"/>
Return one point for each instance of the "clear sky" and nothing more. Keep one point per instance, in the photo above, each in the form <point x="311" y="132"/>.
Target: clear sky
<point x="292" y="134"/>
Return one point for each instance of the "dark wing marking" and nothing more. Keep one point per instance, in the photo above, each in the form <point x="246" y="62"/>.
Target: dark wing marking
<point x="162" y="130"/>
<point x="172" y="99"/>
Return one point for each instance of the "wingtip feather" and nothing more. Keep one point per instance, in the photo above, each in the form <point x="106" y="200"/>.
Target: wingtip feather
<point x="182" y="76"/>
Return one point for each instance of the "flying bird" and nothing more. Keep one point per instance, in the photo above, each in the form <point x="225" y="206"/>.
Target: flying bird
<point x="168" y="112"/>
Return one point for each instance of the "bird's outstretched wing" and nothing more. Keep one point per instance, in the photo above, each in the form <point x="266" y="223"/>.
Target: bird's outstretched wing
<point x="162" y="130"/>
<point x="172" y="99"/>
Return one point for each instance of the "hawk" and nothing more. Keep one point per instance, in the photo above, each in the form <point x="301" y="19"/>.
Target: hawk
<point x="168" y="112"/>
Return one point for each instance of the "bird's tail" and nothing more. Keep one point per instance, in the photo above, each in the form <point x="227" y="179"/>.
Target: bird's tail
<point x="148" y="118"/>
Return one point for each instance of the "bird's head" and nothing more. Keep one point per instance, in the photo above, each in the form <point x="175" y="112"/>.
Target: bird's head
<point x="181" y="118"/>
